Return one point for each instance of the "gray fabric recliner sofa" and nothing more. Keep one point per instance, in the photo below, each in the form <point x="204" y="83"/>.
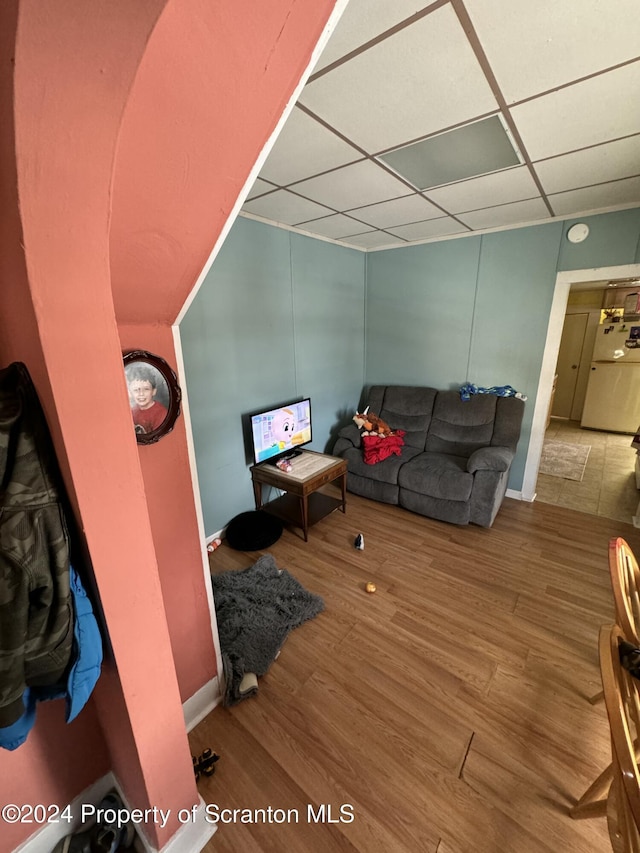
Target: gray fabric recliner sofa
<point x="455" y="462"/>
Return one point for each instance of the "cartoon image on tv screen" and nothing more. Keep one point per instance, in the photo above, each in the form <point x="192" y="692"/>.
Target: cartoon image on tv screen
<point x="281" y="429"/>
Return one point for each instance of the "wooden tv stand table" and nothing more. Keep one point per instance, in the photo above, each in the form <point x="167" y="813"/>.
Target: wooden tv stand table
<point x="302" y="505"/>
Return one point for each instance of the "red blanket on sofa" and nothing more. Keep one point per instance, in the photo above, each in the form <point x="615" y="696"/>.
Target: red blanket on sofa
<point x="375" y="448"/>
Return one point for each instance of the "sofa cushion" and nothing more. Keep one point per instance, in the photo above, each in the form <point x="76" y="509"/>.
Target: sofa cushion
<point x="373" y="489"/>
<point x="438" y="475"/>
<point x="407" y="408"/>
<point x="459" y="427"/>
<point x="509" y="414"/>
<point x="490" y="459"/>
<point x="455" y="512"/>
<point x="382" y="472"/>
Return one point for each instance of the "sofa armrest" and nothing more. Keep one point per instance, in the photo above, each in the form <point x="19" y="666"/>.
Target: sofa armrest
<point x="349" y="436"/>
<point x="490" y="459"/>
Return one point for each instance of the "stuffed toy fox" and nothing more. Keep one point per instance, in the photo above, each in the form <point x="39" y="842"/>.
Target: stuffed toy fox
<point x="372" y="424"/>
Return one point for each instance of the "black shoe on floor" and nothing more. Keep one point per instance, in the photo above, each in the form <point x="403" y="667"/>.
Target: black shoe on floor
<point x="104" y="836"/>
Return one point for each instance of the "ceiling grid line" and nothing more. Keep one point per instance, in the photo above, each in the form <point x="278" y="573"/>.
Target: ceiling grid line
<point x="374" y="41"/>
<point x="562" y="79"/>
<point x="575" y="82"/>
<point x="467" y="26"/>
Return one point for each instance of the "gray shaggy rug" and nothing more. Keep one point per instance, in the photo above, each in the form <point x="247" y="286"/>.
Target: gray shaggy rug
<point x="256" y="608"/>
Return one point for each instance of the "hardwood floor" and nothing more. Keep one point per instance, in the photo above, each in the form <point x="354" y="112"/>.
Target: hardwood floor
<point x="446" y="713"/>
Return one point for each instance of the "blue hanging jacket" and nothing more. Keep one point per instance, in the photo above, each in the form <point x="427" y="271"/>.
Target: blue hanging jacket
<point x="81" y="678"/>
<point x="50" y="645"/>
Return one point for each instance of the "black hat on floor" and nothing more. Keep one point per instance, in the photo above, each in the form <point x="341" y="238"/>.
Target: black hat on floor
<point x="253" y="531"/>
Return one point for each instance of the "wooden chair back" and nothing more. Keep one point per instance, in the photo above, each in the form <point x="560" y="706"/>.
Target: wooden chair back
<point x="622" y="699"/>
<point x="625" y="581"/>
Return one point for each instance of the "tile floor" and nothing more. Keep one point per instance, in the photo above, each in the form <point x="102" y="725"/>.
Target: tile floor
<point x="608" y="487"/>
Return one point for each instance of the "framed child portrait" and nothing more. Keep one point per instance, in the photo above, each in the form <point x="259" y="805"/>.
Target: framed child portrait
<point x="154" y="395"/>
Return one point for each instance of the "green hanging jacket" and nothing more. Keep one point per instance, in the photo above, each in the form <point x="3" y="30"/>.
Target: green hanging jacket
<point x="36" y="616"/>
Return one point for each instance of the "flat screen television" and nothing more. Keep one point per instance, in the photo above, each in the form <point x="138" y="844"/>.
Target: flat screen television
<point x="281" y="431"/>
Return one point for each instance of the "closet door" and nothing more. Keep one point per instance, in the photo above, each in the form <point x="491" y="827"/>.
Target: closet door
<point x="573" y="332"/>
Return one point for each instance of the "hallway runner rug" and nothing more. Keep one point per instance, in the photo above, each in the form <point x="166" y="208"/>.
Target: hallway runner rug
<point x="564" y="460"/>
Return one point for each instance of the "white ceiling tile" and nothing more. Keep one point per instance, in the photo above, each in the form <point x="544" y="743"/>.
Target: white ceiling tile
<point x="432" y="228"/>
<point x="425" y="78"/>
<point x="259" y="188"/>
<point x="608" y="162"/>
<point x="333" y="226"/>
<point x="507" y="214"/>
<point x="400" y="211"/>
<point x="405" y="87"/>
<point x="285" y="207"/>
<point x="597" y="110"/>
<point x="595" y="198"/>
<point x="497" y="188"/>
<point x="303" y="148"/>
<point x="352" y="186"/>
<point x="363" y="20"/>
<point x="374" y="239"/>
<point x="534" y="46"/>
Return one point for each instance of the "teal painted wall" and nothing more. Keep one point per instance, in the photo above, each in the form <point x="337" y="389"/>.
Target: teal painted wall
<point x="614" y="239"/>
<point x="279" y="316"/>
<point x="516" y="281"/>
<point x="477" y="308"/>
<point x="419" y="314"/>
<point x="328" y="324"/>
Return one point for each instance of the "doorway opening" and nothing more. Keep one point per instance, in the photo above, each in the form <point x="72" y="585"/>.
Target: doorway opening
<point x="545" y="399"/>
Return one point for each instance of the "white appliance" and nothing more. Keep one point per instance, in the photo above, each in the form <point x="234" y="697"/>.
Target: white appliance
<point x="612" y="402"/>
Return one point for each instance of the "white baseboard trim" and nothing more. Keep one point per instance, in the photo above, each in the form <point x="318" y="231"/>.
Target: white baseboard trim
<point x="512" y="493"/>
<point x="196" y="708"/>
<point x="219" y="535"/>
<point x="190" y="838"/>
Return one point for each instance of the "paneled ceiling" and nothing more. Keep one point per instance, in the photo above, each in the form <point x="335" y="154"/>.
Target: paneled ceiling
<point x="562" y="76"/>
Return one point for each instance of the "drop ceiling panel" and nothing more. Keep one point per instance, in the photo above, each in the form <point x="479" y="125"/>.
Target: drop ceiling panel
<point x="594" y="198"/>
<point x="352" y="186"/>
<point x="474" y="149"/>
<point x="405" y="87"/>
<point x="608" y="162"/>
<point x="506" y="214"/>
<point x="432" y="228"/>
<point x="260" y="187"/>
<point x="305" y="148"/>
<point x="535" y="46"/>
<point x="498" y="188"/>
<point x="285" y="207"/>
<point x="362" y="21"/>
<point x="582" y="136"/>
<point x="564" y="120"/>
<point x="333" y="226"/>
<point x="400" y="211"/>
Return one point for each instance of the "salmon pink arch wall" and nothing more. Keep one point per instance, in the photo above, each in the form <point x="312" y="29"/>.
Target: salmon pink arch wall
<point x="211" y="87"/>
<point x="213" y="83"/>
<point x="71" y="68"/>
<point x="75" y="241"/>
